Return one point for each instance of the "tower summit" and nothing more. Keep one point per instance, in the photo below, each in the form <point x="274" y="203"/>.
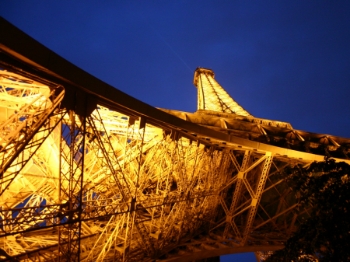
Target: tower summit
<point x="211" y="96"/>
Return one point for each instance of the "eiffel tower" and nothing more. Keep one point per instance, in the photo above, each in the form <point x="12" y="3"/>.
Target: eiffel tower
<point x="89" y="173"/>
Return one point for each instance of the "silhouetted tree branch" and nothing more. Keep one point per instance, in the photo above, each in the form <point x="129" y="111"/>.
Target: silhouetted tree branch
<point x="324" y="189"/>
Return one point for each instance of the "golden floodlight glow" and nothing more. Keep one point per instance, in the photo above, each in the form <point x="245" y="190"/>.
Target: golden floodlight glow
<point x="211" y="96"/>
<point x="88" y="173"/>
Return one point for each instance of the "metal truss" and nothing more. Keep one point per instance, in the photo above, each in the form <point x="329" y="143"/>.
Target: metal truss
<point x="87" y="176"/>
<point x="105" y="186"/>
<point x="26" y="107"/>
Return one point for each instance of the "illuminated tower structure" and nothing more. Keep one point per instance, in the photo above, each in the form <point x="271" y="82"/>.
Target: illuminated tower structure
<point x="88" y="173"/>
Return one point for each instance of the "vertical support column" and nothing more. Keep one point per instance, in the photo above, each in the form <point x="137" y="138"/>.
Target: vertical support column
<point x="236" y="195"/>
<point x="256" y="200"/>
<point x="72" y="152"/>
<point x="137" y="218"/>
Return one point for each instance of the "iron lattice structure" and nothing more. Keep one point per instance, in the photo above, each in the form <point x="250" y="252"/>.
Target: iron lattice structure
<point x="89" y="173"/>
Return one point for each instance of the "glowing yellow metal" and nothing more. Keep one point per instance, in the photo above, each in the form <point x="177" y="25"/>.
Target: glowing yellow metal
<point x="87" y="176"/>
<point x="211" y="96"/>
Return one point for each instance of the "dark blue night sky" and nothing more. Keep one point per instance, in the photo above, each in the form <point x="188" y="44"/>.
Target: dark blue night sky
<point x="281" y="60"/>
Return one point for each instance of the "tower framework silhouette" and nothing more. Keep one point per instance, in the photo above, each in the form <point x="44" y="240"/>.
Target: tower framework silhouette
<point x="88" y="173"/>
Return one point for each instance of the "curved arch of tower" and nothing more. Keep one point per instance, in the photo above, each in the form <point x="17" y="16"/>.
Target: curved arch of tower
<point x="88" y="173"/>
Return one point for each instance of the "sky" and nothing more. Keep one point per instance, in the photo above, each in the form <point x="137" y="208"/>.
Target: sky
<point x="280" y="60"/>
